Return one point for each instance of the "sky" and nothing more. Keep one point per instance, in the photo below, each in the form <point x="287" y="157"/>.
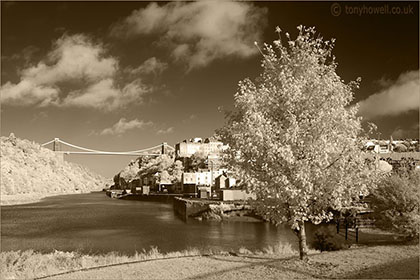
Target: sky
<point x="122" y="76"/>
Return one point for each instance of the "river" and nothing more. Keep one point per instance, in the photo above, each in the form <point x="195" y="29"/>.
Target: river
<point x="94" y="223"/>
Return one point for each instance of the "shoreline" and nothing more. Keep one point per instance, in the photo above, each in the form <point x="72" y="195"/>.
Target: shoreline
<point x="21" y="199"/>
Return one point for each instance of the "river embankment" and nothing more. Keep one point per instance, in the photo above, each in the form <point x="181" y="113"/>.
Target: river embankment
<point x="365" y="262"/>
<point x="214" y="210"/>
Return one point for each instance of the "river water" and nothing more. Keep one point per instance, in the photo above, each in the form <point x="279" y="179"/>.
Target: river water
<point x="94" y="223"/>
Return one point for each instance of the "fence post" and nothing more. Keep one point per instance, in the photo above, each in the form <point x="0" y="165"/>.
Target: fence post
<point x="347" y="227"/>
<point x="357" y="234"/>
<point x="338" y="226"/>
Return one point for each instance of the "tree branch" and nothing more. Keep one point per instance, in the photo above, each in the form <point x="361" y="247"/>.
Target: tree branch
<point x="334" y="161"/>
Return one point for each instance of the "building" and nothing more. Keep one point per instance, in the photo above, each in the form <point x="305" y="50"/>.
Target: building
<point x="149" y="180"/>
<point x="207" y="177"/>
<point x="189" y="183"/>
<point x="187" y="148"/>
<point x="210" y="146"/>
<point x="389" y="146"/>
<point x="204" y="192"/>
<point x="166" y="186"/>
<point x="203" y="178"/>
<point x="225" y="181"/>
<point x="236" y="194"/>
<point x="221" y="182"/>
<point x="154" y="182"/>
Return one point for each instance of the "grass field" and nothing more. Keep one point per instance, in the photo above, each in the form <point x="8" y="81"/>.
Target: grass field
<point x="280" y="262"/>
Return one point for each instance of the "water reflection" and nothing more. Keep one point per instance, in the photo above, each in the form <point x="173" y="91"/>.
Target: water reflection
<point x="94" y="223"/>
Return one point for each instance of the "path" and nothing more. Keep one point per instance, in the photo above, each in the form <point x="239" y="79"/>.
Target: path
<point x="360" y="263"/>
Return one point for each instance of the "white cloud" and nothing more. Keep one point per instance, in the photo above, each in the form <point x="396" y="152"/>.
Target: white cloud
<point x="79" y="61"/>
<point x="123" y="126"/>
<point x="104" y="95"/>
<point x="166" y="131"/>
<point x="24" y="55"/>
<point x="28" y="92"/>
<point x="401" y="96"/>
<point x="150" y="66"/>
<point x="73" y="57"/>
<point x="189" y="119"/>
<point x="199" y="32"/>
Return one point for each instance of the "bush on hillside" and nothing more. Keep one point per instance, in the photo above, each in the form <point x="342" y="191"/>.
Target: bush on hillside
<point x="395" y="202"/>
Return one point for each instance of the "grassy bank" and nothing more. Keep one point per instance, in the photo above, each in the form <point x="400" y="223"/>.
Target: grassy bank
<point x="29" y="264"/>
<point x="278" y="262"/>
<point x="16" y="199"/>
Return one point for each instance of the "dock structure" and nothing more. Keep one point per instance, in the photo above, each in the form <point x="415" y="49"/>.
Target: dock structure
<point x="191" y="208"/>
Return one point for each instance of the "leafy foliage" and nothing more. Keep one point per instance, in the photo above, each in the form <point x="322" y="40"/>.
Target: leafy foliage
<point x="395" y="203"/>
<point x="164" y="165"/>
<point x="294" y="137"/>
<point x="28" y="168"/>
<point x="404" y="166"/>
<point x="197" y="161"/>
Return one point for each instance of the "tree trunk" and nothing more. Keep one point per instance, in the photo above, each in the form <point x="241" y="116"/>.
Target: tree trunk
<point x="303" y="248"/>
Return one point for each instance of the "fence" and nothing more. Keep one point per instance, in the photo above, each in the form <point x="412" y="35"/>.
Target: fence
<point x="351" y="226"/>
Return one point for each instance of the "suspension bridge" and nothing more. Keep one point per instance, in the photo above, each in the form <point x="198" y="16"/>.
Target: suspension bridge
<point x="152" y="151"/>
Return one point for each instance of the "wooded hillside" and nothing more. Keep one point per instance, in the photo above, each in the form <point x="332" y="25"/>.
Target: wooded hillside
<point x="28" y="168"/>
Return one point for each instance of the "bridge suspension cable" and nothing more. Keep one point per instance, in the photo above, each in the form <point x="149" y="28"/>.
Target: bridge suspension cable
<point x="49" y="142"/>
<point x="92" y="151"/>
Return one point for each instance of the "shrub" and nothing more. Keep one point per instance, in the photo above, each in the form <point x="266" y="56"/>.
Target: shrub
<point x="400" y="148"/>
<point x="325" y="239"/>
<point x="395" y="202"/>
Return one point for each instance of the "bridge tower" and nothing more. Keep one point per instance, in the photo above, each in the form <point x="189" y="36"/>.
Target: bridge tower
<point x="164" y="144"/>
<point x="56" y="145"/>
<point x="56" y="148"/>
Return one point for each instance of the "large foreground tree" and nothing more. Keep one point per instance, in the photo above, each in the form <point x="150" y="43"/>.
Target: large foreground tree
<point x="294" y="137"/>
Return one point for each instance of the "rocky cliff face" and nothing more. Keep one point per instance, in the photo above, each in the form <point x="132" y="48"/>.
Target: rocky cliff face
<point x="28" y="168"/>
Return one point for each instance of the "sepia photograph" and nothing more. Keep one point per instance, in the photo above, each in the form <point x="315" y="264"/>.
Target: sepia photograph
<point x="209" y="139"/>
